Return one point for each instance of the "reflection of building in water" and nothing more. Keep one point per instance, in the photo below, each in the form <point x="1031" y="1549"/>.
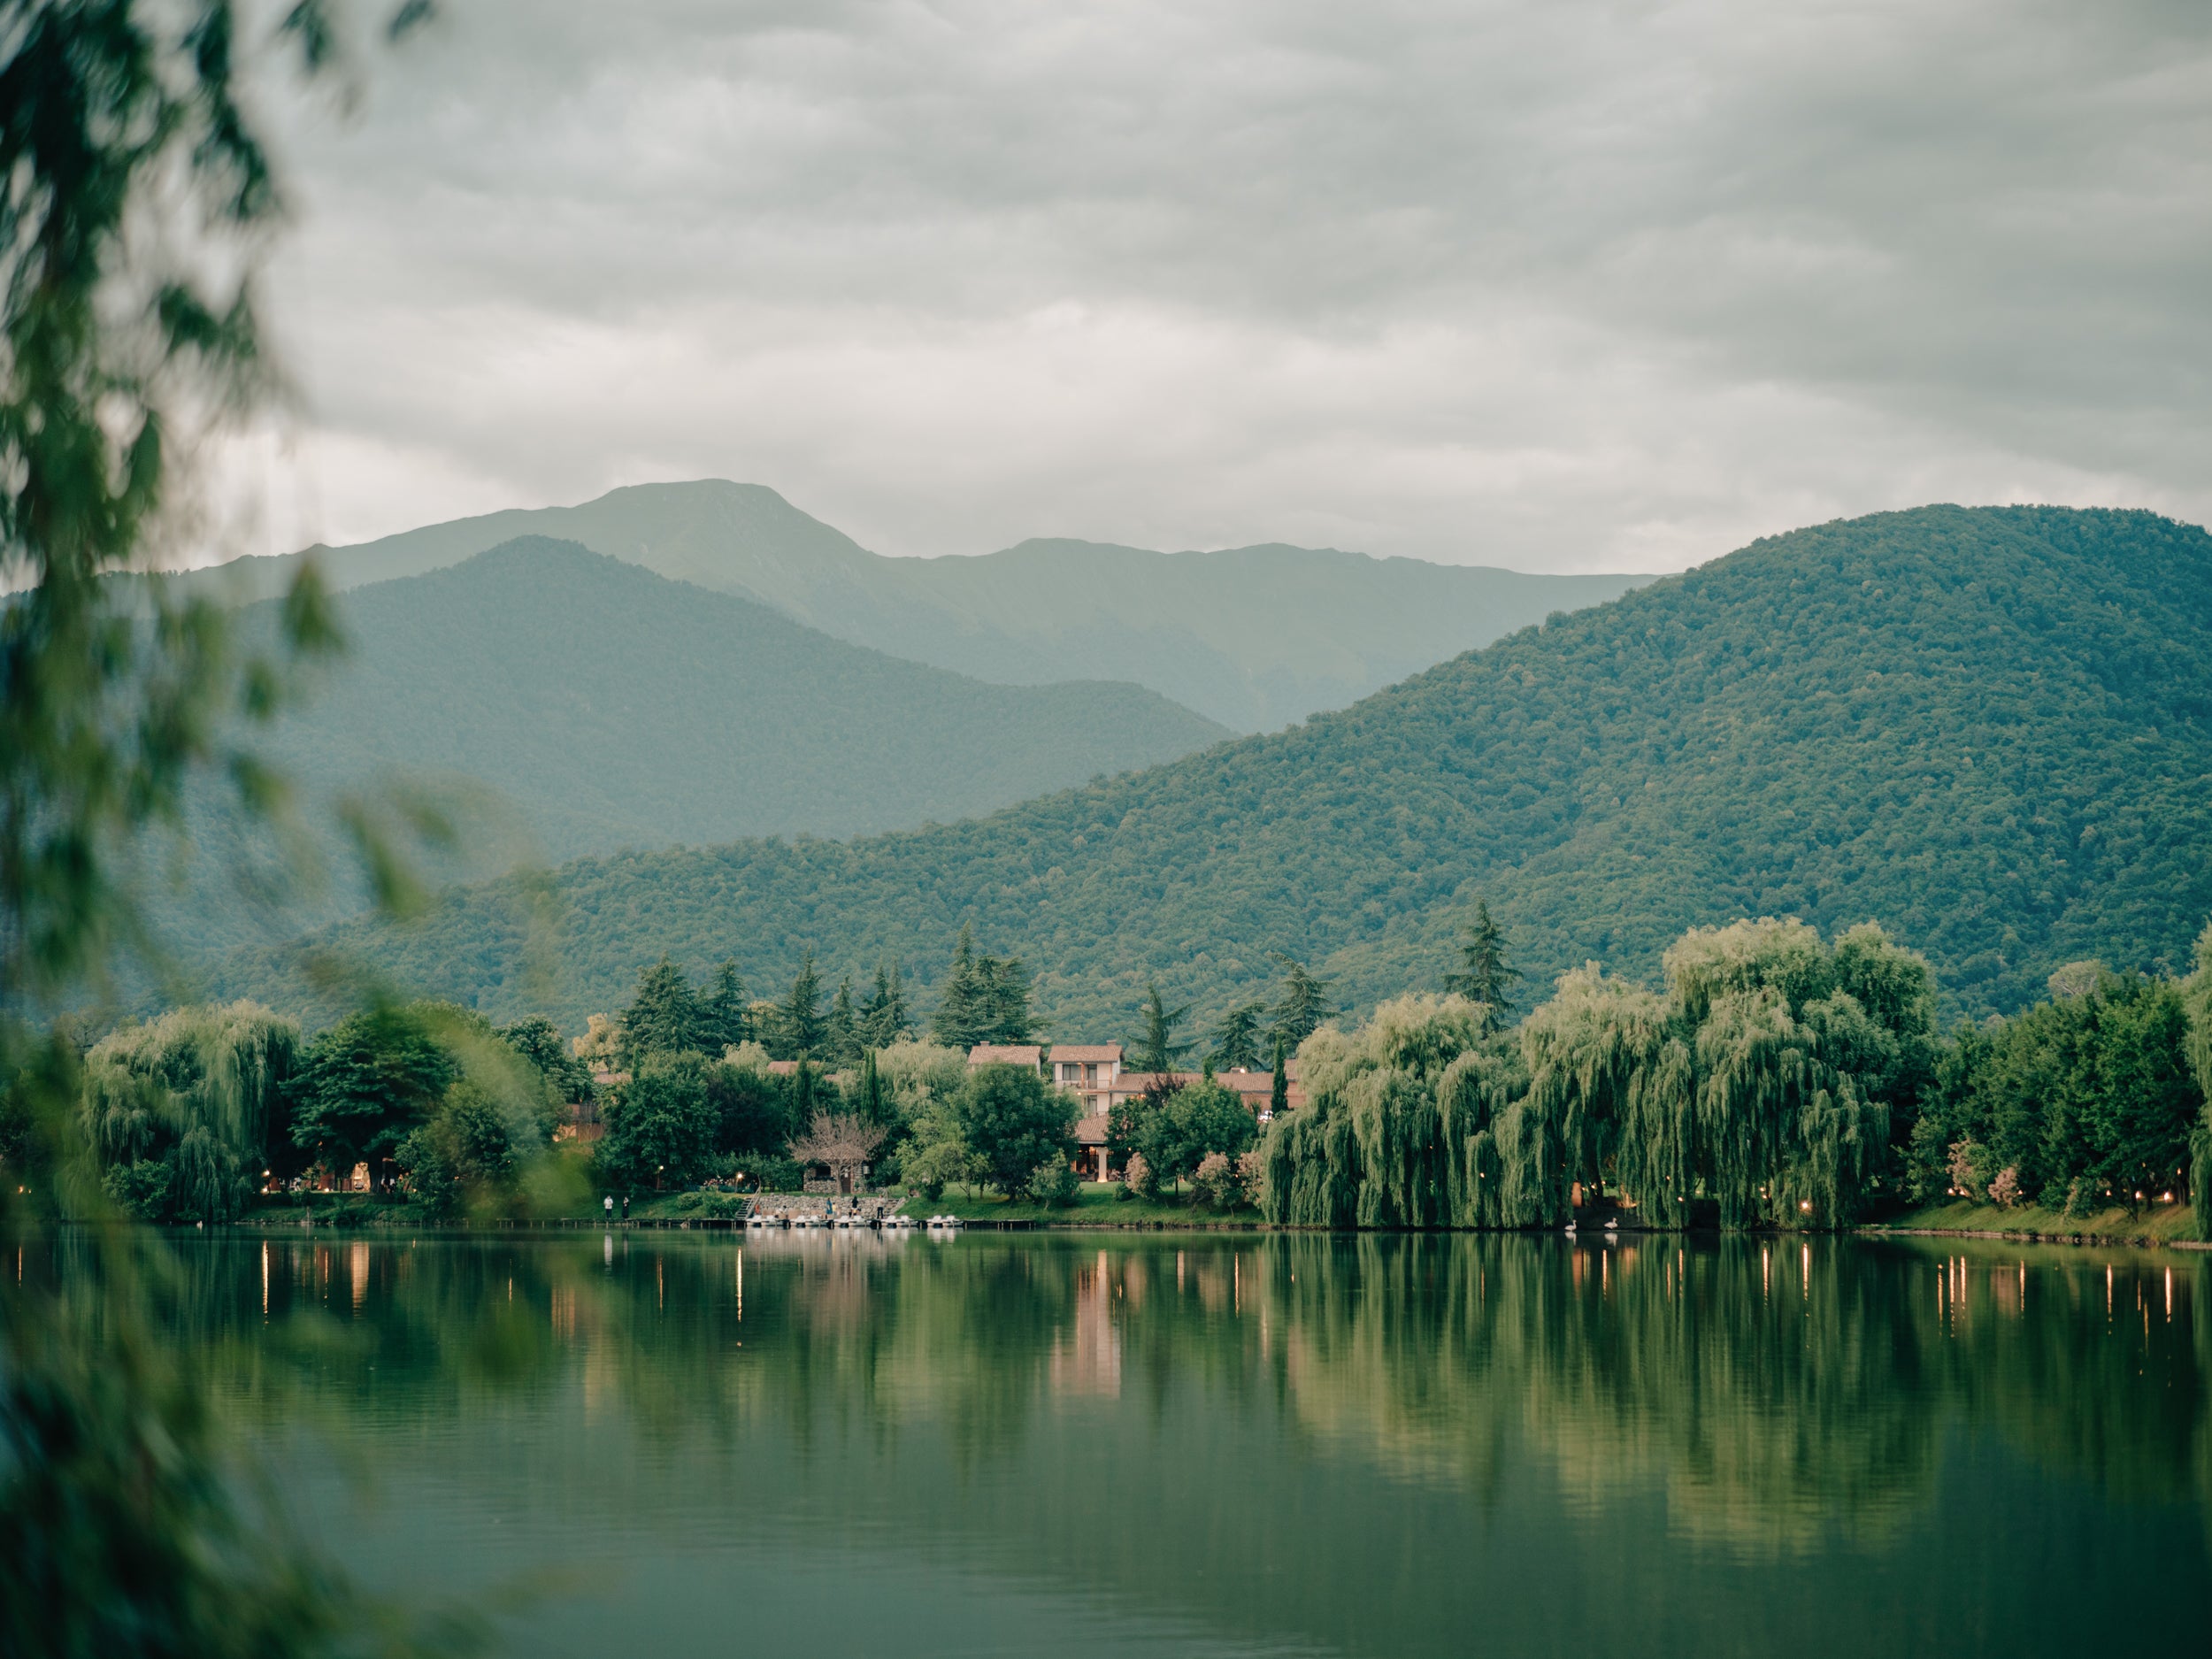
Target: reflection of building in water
<point x="1086" y="1355"/>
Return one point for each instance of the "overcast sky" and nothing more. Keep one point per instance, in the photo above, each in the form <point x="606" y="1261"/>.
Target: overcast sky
<point x="1557" y="286"/>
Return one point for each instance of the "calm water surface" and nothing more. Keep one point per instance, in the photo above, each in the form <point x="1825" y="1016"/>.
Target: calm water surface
<point x="1245" y="1444"/>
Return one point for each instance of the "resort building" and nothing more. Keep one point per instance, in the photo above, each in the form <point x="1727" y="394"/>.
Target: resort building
<point x="1093" y="1072"/>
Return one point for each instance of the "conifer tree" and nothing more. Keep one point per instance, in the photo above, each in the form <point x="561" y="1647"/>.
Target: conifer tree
<point x="883" y="1018"/>
<point x="1236" y="1043"/>
<point x="1485" y="975"/>
<point x="662" y="1018"/>
<point x="961" y="1019"/>
<point x="870" y="1102"/>
<point x="1157" y="1050"/>
<point x="840" y="1035"/>
<point x="801" y="1016"/>
<point x="1304" y="1005"/>
<point x="724" y="1022"/>
<point x="1279" y="1094"/>
<point x="1003" y="994"/>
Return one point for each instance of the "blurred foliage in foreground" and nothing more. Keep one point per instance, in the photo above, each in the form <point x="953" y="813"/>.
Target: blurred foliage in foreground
<point x="138" y="199"/>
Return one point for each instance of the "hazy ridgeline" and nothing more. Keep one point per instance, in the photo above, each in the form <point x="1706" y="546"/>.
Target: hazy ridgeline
<point x="1253" y="637"/>
<point x="1988" y="730"/>
<point x="1290" y="1415"/>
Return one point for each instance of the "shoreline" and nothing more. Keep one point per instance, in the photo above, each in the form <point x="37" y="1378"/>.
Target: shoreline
<point x="2028" y="1235"/>
<point x="478" y="1230"/>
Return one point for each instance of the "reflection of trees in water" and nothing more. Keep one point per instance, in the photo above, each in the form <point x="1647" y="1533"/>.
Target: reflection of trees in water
<point x="1767" y="1401"/>
<point x="1778" y="1392"/>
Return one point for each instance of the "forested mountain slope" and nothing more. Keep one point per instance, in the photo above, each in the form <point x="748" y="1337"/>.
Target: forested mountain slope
<point x="605" y="706"/>
<point x="1252" y="637"/>
<point x="1989" y="729"/>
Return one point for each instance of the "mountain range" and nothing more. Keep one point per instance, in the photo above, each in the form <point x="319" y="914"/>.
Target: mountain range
<point x="565" y="703"/>
<point x="1253" y="638"/>
<point x="1989" y="729"/>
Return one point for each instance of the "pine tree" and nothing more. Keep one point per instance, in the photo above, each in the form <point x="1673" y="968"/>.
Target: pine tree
<point x="883" y="1018"/>
<point x="961" y="1019"/>
<point x="869" y="1099"/>
<point x="664" y="1018"/>
<point x="1485" y="975"/>
<point x="1236" y="1043"/>
<point x="801" y="1016"/>
<point x="840" y="1036"/>
<point x="1005" y="997"/>
<point x="723" y="1021"/>
<point x="1303" y="1006"/>
<point x="1279" y="1095"/>
<point x="1157" y="1050"/>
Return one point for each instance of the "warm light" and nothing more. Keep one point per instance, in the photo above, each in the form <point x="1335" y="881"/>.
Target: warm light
<point x="1806" y="1205"/>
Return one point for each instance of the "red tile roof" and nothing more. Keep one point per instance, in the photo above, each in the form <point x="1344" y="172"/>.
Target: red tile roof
<point x="1086" y="1052"/>
<point x="1005" y="1054"/>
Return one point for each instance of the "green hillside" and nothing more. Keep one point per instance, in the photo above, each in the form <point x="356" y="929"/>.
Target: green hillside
<point x="1253" y="637"/>
<point x="1989" y="729"/>
<point x="602" y="706"/>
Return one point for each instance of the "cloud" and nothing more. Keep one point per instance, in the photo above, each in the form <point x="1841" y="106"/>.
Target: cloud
<point x="1566" y="286"/>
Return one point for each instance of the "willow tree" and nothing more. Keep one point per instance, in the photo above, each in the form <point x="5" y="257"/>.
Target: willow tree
<point x="1594" y="1099"/>
<point x="181" y="1109"/>
<point x="1761" y="1080"/>
<point x="2197" y="999"/>
<point x="139" y="200"/>
<point x="1799" y="1051"/>
<point x="1384" y="1140"/>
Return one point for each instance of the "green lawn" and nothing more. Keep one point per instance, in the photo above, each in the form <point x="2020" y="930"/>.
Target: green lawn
<point x="1094" y="1205"/>
<point x="2155" y="1224"/>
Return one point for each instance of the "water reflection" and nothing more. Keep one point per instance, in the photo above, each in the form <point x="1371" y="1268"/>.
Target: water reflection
<point x="1266" y="1443"/>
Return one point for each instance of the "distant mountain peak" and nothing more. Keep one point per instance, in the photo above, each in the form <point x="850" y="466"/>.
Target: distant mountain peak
<point x="1253" y="637"/>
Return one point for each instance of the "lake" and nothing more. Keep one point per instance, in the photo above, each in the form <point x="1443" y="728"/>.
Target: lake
<point x="1241" y="1444"/>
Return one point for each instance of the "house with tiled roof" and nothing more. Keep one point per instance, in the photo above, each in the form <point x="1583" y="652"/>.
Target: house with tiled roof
<point x="1094" y="1073"/>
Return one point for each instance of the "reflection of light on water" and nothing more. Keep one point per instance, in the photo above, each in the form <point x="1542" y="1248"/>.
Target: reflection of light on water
<point x="359" y="1265"/>
<point x="1086" y="1355"/>
<point x="564" y="1313"/>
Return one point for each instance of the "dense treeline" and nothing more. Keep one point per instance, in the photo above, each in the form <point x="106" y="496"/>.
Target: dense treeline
<point x="2079" y="1100"/>
<point x="195" y="1111"/>
<point x="1989" y="729"/>
<point x="192" y="1113"/>
<point x="1778" y="1079"/>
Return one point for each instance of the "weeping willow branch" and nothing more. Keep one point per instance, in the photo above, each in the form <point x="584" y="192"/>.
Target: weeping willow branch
<point x="1761" y="1081"/>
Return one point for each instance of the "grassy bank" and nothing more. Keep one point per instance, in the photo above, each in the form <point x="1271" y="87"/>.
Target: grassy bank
<point x="2153" y="1224"/>
<point x="1095" y="1205"/>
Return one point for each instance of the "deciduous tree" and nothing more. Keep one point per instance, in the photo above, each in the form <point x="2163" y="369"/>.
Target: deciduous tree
<point x="1011" y="1121"/>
